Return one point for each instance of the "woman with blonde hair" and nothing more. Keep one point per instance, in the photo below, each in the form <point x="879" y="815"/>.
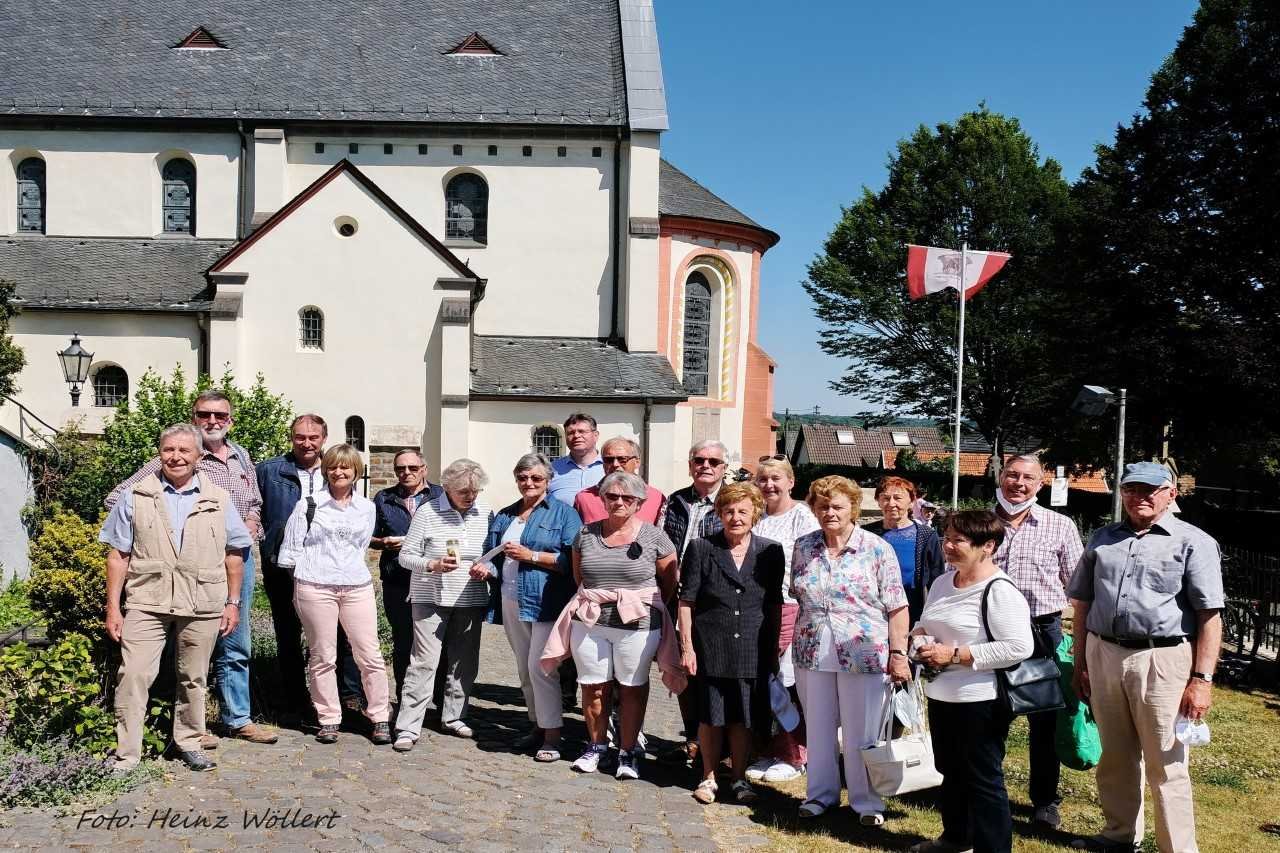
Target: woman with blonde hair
<point x="324" y="544"/>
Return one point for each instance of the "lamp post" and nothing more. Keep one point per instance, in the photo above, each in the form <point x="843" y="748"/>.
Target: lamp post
<point x="1093" y="400"/>
<point x="75" y="361"/>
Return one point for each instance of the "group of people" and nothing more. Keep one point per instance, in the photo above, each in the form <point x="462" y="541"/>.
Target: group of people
<point x="735" y="590"/>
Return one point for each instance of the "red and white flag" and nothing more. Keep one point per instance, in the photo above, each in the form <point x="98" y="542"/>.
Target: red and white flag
<point x="930" y="269"/>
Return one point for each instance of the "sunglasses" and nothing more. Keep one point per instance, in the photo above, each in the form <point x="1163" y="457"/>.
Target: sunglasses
<point x="617" y="460"/>
<point x="530" y="478"/>
<point x="206" y="415"/>
<point x="614" y="497"/>
<point x="406" y="469"/>
<point x="707" y="460"/>
<point x="777" y="457"/>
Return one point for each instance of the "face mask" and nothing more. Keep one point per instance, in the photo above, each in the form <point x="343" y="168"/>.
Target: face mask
<point x="1012" y="508"/>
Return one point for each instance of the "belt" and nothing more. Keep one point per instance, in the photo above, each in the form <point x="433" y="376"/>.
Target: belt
<point x="1046" y="618"/>
<point x="1143" y="642"/>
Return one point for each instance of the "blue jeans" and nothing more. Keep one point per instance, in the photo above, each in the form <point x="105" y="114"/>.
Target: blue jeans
<point x="230" y="664"/>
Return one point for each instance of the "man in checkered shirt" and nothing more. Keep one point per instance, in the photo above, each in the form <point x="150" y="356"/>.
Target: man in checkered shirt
<point x="1039" y="552"/>
<point x="228" y="465"/>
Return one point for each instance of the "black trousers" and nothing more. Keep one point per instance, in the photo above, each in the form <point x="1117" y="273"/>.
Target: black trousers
<point x="1045" y="770"/>
<point x="395" y="594"/>
<point x="968" y="748"/>
<point x="278" y="584"/>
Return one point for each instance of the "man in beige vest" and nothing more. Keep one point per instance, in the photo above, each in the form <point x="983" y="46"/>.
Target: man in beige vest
<point x="176" y="541"/>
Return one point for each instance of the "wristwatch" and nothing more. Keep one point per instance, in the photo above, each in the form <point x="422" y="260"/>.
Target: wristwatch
<point x="231" y="603"/>
<point x="899" y="652"/>
<point x="1207" y="678"/>
<point x="955" y="656"/>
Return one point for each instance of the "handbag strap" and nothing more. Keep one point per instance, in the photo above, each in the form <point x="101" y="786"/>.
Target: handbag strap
<point x="886" y="715"/>
<point x="1037" y="637"/>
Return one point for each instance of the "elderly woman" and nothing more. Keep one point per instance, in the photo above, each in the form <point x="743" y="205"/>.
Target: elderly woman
<point x="535" y="582"/>
<point x="324" y="543"/>
<point x="446" y="536"/>
<point x="968" y="721"/>
<point x="785" y="520"/>
<point x="730" y="611"/>
<point x="917" y="547"/>
<point x="850" y="640"/>
<point x="614" y="625"/>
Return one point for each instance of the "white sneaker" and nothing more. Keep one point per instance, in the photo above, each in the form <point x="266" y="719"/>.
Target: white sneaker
<point x="627" y="765"/>
<point x="783" y="772"/>
<point x="589" y="761"/>
<point x="756" y="771"/>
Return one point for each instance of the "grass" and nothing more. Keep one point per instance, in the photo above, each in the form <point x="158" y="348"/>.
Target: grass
<point x="1236" y="779"/>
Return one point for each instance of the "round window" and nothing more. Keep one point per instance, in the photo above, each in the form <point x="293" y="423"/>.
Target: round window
<point x="345" y="226"/>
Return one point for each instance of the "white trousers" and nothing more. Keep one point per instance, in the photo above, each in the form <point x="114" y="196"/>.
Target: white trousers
<point x="852" y="702"/>
<point x="541" y="691"/>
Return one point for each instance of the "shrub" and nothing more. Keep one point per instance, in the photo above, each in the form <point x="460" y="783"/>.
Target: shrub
<point x="15" y="606"/>
<point x="68" y="585"/>
<point x="54" y="692"/>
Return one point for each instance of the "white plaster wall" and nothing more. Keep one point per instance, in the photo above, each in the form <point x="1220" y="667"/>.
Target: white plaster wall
<point x="377" y="291"/>
<point x="133" y="341"/>
<point x="549" y="258"/>
<point x="641" y="326"/>
<point x="107" y="183"/>
<point x="15" y="491"/>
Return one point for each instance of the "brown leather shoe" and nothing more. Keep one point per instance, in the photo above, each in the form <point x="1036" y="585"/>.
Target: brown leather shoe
<point x="254" y="734"/>
<point x="209" y="741"/>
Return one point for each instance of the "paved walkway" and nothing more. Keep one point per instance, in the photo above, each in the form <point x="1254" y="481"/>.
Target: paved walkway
<point x="447" y="794"/>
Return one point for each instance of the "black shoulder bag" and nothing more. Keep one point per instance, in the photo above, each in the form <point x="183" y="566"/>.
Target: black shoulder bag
<point x="1032" y="685"/>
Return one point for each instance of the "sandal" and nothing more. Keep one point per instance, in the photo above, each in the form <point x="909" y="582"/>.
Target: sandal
<point x="743" y="792"/>
<point x="705" y="793"/>
<point x="547" y="754"/>
<point x="812" y="809"/>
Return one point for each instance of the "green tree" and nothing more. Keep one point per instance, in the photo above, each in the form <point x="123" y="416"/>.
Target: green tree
<point x="981" y="180"/>
<point x="12" y="359"/>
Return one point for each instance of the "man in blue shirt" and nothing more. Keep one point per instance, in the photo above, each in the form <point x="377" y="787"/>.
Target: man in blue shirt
<point x="582" y="468"/>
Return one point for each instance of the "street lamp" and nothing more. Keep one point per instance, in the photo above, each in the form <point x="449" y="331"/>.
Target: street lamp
<point x="1092" y="401"/>
<point x="75" y="361"/>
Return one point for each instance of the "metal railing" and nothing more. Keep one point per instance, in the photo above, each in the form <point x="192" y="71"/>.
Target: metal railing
<point x="1251" y="620"/>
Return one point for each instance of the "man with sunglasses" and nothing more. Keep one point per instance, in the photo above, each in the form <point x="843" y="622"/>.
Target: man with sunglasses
<point x="619" y="454"/>
<point x="581" y="466"/>
<point x="690" y="515"/>
<point x="228" y="466"/>
<point x="394" y="507"/>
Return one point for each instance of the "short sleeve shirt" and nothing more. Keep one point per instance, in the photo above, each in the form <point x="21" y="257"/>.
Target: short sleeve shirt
<point x="632" y="566"/>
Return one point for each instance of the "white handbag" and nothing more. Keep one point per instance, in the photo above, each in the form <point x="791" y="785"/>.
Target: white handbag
<point x="906" y="764"/>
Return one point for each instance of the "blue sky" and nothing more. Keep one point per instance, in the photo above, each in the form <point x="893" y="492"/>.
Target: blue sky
<point x="787" y="110"/>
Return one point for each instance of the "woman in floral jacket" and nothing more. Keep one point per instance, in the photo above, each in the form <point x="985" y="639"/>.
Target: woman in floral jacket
<point x="850" y="641"/>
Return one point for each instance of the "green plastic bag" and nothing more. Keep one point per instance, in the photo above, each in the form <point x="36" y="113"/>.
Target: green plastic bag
<point x="1076" y="735"/>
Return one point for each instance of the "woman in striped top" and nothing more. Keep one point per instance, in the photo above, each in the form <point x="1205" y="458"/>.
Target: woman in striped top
<point x="449" y="600"/>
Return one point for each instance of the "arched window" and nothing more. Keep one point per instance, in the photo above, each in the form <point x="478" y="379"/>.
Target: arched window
<point x="466" y="204"/>
<point x="179" y="179"/>
<point x="110" y="385"/>
<point x="311" y="328"/>
<point x="546" y="440"/>
<point x="31" y="195"/>
<point x="697" y="335"/>
<point x="355" y="432"/>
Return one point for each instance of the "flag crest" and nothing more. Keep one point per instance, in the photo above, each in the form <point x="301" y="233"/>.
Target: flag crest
<point x="931" y="269"/>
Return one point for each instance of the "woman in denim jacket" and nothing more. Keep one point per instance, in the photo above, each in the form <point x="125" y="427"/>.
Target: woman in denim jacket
<point x="534" y="581"/>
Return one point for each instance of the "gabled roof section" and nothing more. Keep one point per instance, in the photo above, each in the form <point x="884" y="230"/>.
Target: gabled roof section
<point x="681" y="195"/>
<point x="200" y="39"/>
<point x="306" y="61"/>
<point x="570" y="369"/>
<point x="475" y="45"/>
<point x="346" y="167"/>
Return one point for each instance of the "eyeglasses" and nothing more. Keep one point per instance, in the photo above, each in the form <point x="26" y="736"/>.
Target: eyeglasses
<point x="530" y="478"/>
<point x="614" y="497"/>
<point x="206" y="415"/>
<point x="406" y="469"/>
<point x="617" y="460"/>
<point x="777" y="457"/>
<point x="707" y="460"/>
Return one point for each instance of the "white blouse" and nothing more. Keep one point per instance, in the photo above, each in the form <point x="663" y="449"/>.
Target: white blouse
<point x="433" y="525"/>
<point x="332" y="552"/>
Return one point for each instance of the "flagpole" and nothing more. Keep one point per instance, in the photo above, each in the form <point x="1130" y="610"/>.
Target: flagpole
<point x="955" y="448"/>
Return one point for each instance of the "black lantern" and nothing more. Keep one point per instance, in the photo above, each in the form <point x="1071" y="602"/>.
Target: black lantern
<point x="75" y="366"/>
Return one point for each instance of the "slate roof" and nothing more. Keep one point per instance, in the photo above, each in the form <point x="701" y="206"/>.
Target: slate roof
<point x="81" y="273"/>
<point x="572" y="368"/>
<point x="681" y="195"/>
<point x="383" y="60"/>
<point x="824" y="447"/>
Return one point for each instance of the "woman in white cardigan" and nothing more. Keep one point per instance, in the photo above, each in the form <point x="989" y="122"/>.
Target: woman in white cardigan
<point x="967" y="719"/>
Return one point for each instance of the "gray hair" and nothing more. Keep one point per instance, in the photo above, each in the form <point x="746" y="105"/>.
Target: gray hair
<point x="635" y="447"/>
<point x="709" y="442"/>
<point x="182" y="429"/>
<point x="462" y="473"/>
<point x="630" y="484"/>
<point x="409" y="451"/>
<point x="213" y="396"/>
<point x="1033" y="458"/>
<point x="534" y="460"/>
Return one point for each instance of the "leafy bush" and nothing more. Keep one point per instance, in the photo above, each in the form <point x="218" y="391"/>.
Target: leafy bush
<point x="68" y="585"/>
<point x="15" y="606"/>
<point x="58" y="773"/>
<point x="55" y="692"/>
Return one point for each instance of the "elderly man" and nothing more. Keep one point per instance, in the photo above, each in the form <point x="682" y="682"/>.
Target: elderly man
<point x="395" y="507"/>
<point x="619" y="454"/>
<point x="582" y="467"/>
<point x="176" y="544"/>
<point x="283" y="481"/>
<point x="1039" y="552"/>
<point x="690" y="515"/>
<point x="228" y="466"/>
<point x="1147" y="597"/>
